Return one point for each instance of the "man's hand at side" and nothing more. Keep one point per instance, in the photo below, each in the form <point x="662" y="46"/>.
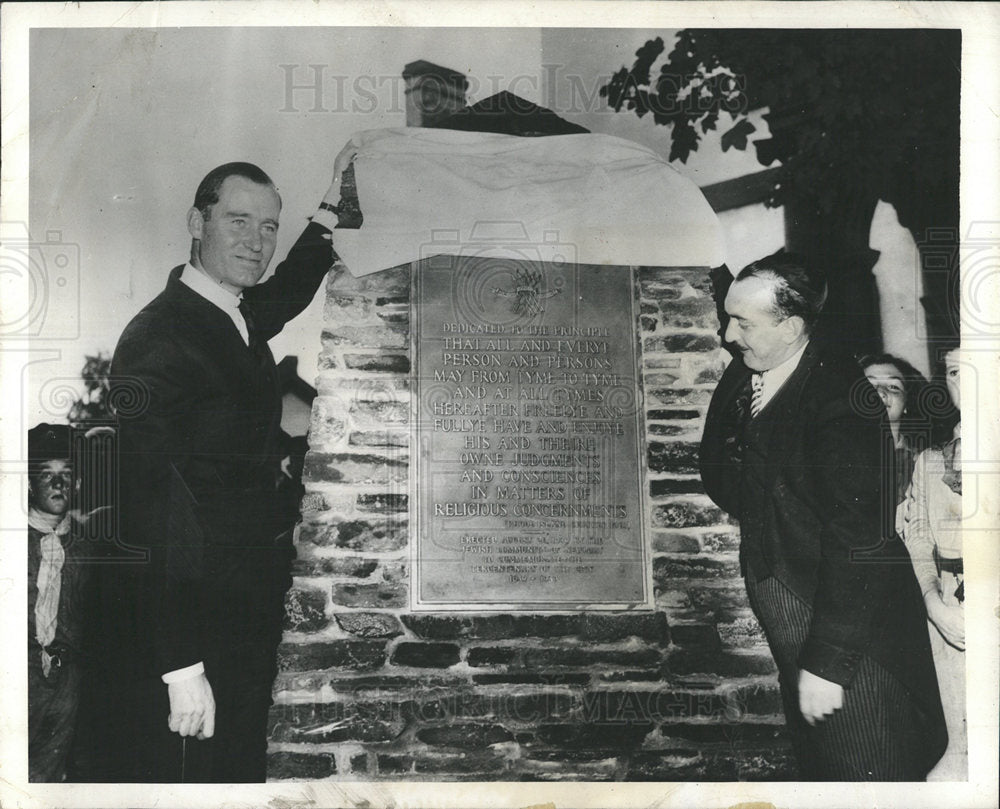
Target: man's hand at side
<point x="818" y="698"/>
<point x="192" y="707"/>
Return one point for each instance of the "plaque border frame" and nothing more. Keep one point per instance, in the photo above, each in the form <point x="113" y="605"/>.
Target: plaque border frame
<point x="416" y="604"/>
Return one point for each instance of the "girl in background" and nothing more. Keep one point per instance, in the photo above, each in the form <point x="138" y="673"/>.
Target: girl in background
<point x="932" y="531"/>
<point x="902" y="388"/>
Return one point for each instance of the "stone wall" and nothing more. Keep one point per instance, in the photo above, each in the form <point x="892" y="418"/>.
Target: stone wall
<point x="368" y="690"/>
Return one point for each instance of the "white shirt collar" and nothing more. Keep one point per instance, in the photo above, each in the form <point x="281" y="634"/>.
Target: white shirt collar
<point x="775" y="377"/>
<point x="229" y="303"/>
<point x="200" y="282"/>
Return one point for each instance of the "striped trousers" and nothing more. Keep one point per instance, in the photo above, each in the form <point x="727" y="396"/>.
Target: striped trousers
<point x="873" y="737"/>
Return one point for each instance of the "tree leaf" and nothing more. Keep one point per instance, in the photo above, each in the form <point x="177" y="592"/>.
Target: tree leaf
<point x="737" y="136"/>
<point x="644" y="58"/>
<point x="684" y="140"/>
<point x="766" y="151"/>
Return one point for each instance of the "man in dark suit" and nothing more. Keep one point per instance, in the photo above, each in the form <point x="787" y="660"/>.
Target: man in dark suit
<point x="195" y="631"/>
<point x="794" y="450"/>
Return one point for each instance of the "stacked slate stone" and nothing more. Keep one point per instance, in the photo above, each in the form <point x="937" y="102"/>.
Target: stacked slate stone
<point x="369" y="689"/>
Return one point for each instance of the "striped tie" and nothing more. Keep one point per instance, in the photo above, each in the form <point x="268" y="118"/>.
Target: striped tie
<point x="757" y="398"/>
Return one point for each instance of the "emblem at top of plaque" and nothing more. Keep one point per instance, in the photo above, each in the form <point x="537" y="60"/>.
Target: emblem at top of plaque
<point x="526" y="293"/>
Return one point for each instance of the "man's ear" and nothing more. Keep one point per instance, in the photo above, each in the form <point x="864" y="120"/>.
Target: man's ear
<point x="792" y="329"/>
<point x="196" y="223"/>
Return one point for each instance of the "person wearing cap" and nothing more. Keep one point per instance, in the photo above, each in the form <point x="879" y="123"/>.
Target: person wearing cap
<point x="199" y="424"/>
<point x="58" y="575"/>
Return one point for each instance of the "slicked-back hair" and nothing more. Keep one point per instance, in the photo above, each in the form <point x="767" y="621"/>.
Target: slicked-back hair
<point x="799" y="290"/>
<point x="208" y="189"/>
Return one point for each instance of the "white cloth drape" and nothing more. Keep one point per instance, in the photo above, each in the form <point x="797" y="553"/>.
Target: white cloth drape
<point x="591" y="199"/>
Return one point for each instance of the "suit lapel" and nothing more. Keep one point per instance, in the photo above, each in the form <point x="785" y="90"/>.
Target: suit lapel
<point x="783" y="412"/>
<point x="208" y="325"/>
<point x="732" y="383"/>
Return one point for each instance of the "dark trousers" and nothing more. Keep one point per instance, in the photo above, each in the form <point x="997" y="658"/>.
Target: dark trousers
<point x="52" y="710"/>
<point x="873" y="737"/>
<point x="139" y="746"/>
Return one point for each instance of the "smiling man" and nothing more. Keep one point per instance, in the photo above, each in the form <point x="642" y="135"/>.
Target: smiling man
<point x="192" y="656"/>
<point x="807" y="474"/>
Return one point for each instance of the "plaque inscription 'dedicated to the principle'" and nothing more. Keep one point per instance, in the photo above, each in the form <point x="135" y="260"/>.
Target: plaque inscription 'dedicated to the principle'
<point x="526" y="481"/>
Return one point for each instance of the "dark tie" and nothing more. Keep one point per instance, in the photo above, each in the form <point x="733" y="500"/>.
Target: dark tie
<point x="257" y="346"/>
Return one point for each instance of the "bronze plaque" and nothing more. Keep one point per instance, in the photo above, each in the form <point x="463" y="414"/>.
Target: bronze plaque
<point x="525" y="485"/>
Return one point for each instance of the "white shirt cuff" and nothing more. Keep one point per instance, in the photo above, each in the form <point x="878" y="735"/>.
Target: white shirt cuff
<point x="327" y="219"/>
<point x="186" y="673"/>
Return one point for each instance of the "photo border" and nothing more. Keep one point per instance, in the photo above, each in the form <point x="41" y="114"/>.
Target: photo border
<point x="980" y="24"/>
